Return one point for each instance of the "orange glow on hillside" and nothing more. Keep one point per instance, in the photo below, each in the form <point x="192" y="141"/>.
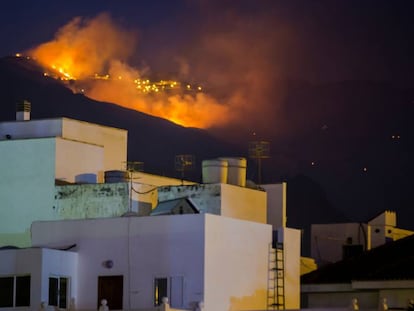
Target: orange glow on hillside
<point x="93" y="54"/>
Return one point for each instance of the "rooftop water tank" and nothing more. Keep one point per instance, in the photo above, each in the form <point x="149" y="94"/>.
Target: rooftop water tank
<point x="116" y="176"/>
<point x="214" y="171"/>
<point x="87" y="178"/>
<point x="236" y="171"/>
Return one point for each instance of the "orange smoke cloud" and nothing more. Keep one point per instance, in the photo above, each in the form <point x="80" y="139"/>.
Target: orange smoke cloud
<point x="84" y="49"/>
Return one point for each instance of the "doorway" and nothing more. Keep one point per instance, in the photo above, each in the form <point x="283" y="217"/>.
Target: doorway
<point x="111" y="288"/>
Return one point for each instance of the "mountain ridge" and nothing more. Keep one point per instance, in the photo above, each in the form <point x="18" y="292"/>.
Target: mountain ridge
<point x="334" y="138"/>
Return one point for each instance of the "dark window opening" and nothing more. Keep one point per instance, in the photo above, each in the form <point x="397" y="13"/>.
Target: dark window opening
<point x="23" y="291"/>
<point x="160" y="290"/>
<point x="6" y="292"/>
<point x="58" y="289"/>
<point x="15" y="291"/>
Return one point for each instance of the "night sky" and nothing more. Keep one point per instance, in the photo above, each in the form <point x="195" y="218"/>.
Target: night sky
<point x="318" y="40"/>
<point x="243" y="52"/>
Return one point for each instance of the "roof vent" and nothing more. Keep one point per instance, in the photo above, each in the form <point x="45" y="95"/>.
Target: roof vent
<point x="23" y="111"/>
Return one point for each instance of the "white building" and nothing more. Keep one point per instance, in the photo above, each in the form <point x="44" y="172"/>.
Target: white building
<point x="384" y="273"/>
<point x="55" y="168"/>
<point x="333" y="242"/>
<point x="84" y="250"/>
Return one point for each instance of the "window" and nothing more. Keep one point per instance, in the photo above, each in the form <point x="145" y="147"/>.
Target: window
<point x="15" y="291"/>
<point x="22" y="291"/>
<point x="160" y="290"/>
<point x="169" y="287"/>
<point x="58" y="291"/>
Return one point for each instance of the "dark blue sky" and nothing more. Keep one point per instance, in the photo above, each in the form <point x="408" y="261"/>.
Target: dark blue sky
<point x="321" y="40"/>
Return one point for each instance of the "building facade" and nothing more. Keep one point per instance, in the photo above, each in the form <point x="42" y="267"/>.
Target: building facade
<point x="87" y="237"/>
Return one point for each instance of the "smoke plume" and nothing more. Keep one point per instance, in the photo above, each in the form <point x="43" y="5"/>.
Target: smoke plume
<point x="83" y="50"/>
<point x="234" y="58"/>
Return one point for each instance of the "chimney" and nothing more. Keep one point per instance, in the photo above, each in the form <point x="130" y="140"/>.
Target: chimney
<point x="23" y="111"/>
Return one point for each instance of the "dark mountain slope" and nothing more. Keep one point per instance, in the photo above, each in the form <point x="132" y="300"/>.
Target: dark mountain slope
<point x="344" y="148"/>
<point x="151" y="140"/>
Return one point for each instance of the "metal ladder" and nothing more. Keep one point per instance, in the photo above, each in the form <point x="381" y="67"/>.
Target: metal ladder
<point x="276" y="278"/>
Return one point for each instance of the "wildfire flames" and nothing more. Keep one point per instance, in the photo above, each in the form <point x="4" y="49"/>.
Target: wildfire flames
<point x="93" y="55"/>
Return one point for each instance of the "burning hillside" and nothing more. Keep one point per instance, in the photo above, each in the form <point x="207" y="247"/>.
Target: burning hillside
<point x="91" y="56"/>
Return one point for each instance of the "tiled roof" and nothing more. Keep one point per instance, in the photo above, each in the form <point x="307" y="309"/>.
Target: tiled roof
<point x="391" y="261"/>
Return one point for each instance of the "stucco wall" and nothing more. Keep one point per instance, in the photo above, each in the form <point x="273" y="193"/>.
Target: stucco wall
<point x="328" y="239"/>
<point x="206" y="197"/>
<point x="91" y="200"/>
<point x="14" y="262"/>
<point x="156" y="180"/>
<point x="276" y="204"/>
<point x="291" y="248"/>
<point x="243" y="203"/>
<point x="143" y="247"/>
<point x="221" y="199"/>
<point x="370" y="294"/>
<point x="59" y="264"/>
<point x="31" y="129"/>
<point x="40" y="264"/>
<point x="26" y="187"/>
<point x="112" y="139"/>
<point x="236" y="264"/>
<point x="74" y="158"/>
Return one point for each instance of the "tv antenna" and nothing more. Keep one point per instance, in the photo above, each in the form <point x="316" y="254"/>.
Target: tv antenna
<point x="259" y="150"/>
<point x="183" y="163"/>
<point x="131" y="168"/>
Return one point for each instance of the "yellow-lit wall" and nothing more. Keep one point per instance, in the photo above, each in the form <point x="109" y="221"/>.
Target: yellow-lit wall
<point x="236" y="264"/>
<point x="291" y="248"/>
<point x="243" y="203"/>
<point x="276" y="204"/>
<point x="113" y="141"/>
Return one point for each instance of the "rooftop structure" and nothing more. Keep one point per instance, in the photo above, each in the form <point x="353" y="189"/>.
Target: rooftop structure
<point x="93" y="230"/>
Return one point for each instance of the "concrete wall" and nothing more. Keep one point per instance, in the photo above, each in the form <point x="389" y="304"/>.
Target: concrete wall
<point x="276" y="204"/>
<point x="223" y="261"/>
<point x="142" y="247"/>
<point x="14" y="262"/>
<point x="383" y="228"/>
<point x="370" y="294"/>
<point x="74" y="158"/>
<point x="291" y="249"/>
<point x="155" y="180"/>
<point x="236" y="264"/>
<point x="40" y="264"/>
<point x="145" y="190"/>
<point x="26" y="187"/>
<point x="91" y="200"/>
<point x="206" y="197"/>
<point x="221" y="199"/>
<point x="59" y="264"/>
<point x="31" y="129"/>
<point x="113" y="140"/>
<point x="243" y="203"/>
<point x="327" y="240"/>
<point x="36" y="153"/>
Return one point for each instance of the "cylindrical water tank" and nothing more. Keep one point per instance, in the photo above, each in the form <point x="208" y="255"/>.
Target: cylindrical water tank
<point x="236" y="171"/>
<point x="87" y="178"/>
<point x="116" y="176"/>
<point x="214" y="171"/>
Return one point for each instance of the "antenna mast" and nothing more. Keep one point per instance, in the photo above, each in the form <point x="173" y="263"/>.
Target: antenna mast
<point x="259" y="150"/>
<point x="132" y="167"/>
<point x="184" y="162"/>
